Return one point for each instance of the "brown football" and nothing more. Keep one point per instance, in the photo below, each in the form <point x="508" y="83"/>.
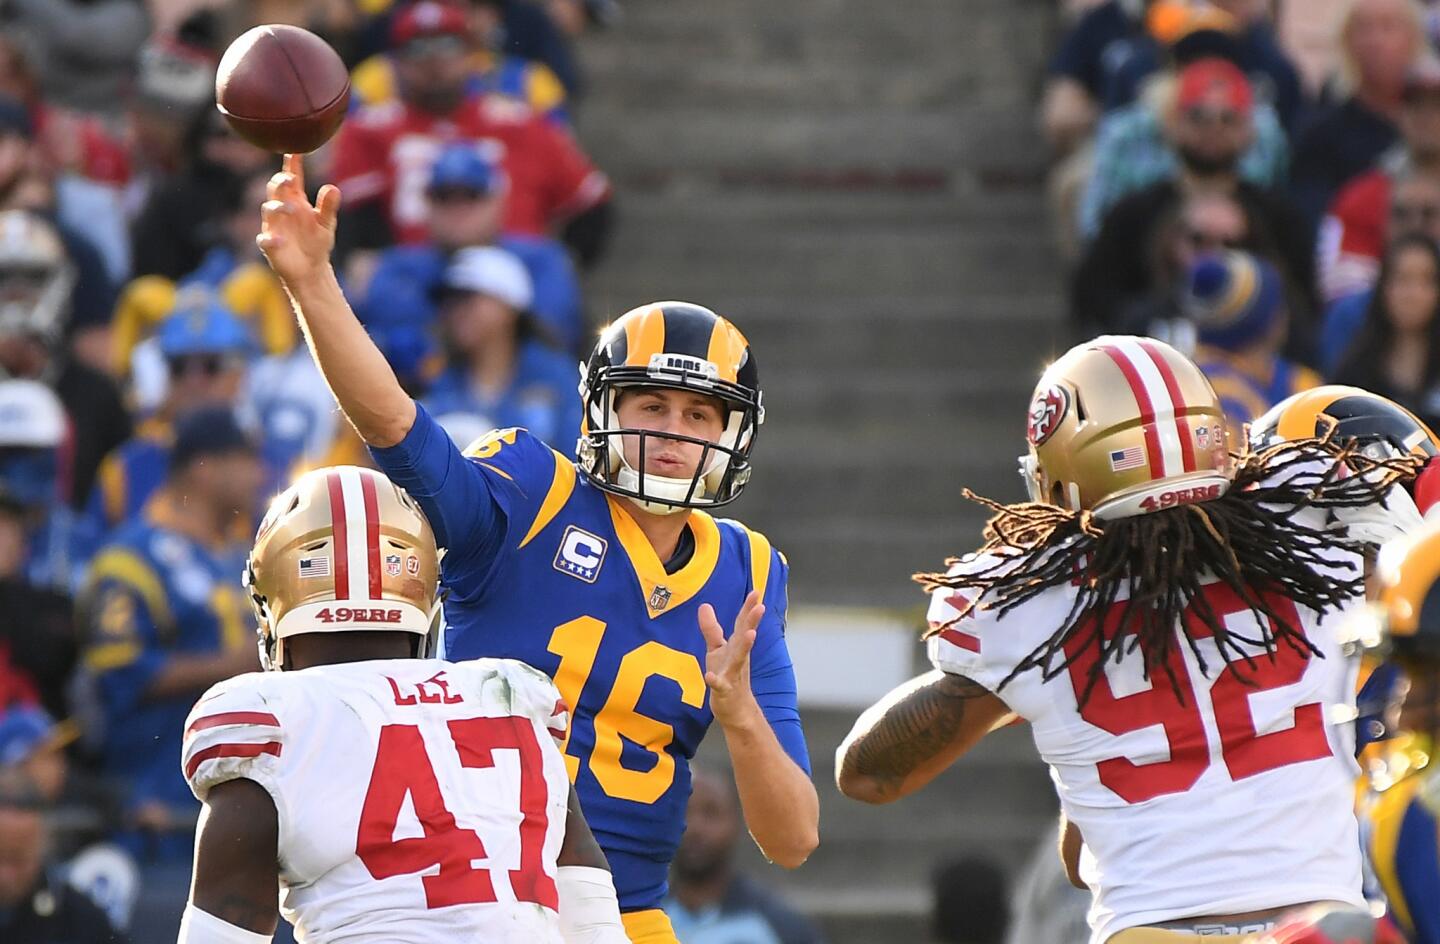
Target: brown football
<point x="282" y="88"/>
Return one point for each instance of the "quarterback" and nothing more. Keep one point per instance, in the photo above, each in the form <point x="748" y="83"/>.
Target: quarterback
<point x="391" y="796"/>
<point x="606" y="574"/>
<point x="1166" y="616"/>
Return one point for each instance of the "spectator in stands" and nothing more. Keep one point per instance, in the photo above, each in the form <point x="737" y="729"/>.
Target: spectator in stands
<point x="1082" y="70"/>
<point x="36" y="283"/>
<point x="172" y="97"/>
<point x="1397" y="352"/>
<point x="185" y="216"/>
<point x="37" y="636"/>
<point x="1117" y="269"/>
<point x="527" y="32"/>
<point x="232" y="269"/>
<point x="167" y="619"/>
<point x="969" y="902"/>
<point x="1237" y="305"/>
<point x="86" y="48"/>
<point x="501" y="373"/>
<point x="466" y="196"/>
<point x="34" y="907"/>
<point x="33" y="744"/>
<point x="1380" y="42"/>
<point x="491" y="70"/>
<point x="1353" y="235"/>
<point x="34" y="479"/>
<point x="1414" y="209"/>
<point x="1251" y="43"/>
<point x="26" y="184"/>
<point x="383" y="154"/>
<point x="204" y="350"/>
<point x="711" y="903"/>
<point x="1133" y="147"/>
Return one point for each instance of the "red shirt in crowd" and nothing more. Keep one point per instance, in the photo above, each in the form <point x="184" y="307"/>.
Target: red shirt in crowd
<point x="385" y="151"/>
<point x="1352" y="236"/>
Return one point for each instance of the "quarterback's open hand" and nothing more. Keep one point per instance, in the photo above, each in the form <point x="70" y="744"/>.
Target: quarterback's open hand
<point x="727" y="661"/>
<point x="294" y="235"/>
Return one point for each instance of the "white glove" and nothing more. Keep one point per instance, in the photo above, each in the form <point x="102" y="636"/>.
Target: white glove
<point x="1378" y="523"/>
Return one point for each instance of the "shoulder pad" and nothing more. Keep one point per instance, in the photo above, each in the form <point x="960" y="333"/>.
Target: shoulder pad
<point x="233" y="732"/>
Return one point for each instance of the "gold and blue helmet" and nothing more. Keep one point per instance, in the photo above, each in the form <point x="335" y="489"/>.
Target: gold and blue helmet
<point x="1383" y="428"/>
<point x="679" y="346"/>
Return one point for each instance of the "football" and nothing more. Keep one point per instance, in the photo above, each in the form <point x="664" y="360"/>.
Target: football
<point x="282" y="88"/>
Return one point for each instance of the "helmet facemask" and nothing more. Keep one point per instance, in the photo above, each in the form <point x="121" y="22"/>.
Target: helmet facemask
<point x="723" y="468"/>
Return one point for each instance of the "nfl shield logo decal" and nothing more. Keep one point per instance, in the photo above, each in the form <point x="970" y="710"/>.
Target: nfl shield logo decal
<point x="392" y="564"/>
<point x="659" y="598"/>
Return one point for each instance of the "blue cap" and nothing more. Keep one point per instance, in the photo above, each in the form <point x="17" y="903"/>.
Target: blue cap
<point x="203" y="326"/>
<point x="1234" y="299"/>
<point x="208" y="431"/>
<point x="463" y="165"/>
<point x="25" y="729"/>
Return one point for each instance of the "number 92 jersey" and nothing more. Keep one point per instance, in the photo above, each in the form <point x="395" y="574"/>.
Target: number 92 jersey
<point x="418" y="801"/>
<point x="1238" y="797"/>
<point x="543" y="567"/>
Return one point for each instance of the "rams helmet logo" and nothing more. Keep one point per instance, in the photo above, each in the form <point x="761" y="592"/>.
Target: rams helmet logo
<point x="1046" y="413"/>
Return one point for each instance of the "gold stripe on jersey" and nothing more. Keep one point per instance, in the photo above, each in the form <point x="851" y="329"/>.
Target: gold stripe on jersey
<point x="561" y="487"/>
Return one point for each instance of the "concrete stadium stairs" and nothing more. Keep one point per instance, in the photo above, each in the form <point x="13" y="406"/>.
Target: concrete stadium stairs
<point x="858" y="185"/>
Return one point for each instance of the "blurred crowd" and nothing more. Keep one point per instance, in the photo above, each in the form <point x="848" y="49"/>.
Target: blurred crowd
<point x="1257" y="182"/>
<point x="154" y="390"/>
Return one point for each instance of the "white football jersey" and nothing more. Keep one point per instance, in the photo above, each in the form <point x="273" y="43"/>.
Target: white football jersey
<point x="1238" y="798"/>
<point x="418" y="800"/>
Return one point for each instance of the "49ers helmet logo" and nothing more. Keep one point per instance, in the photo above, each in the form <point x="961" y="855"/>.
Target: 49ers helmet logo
<point x="1046" y="412"/>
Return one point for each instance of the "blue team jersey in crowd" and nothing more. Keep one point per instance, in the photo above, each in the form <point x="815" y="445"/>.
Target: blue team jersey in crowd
<point x="154" y="593"/>
<point x="540" y="397"/>
<point x="542" y="566"/>
<point x="129" y="475"/>
<point x="1402" y="839"/>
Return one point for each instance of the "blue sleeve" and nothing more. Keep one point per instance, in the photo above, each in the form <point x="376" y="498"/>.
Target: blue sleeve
<point x="1079" y="54"/>
<point x="772" y="675"/>
<point x="475" y="500"/>
<point x="1417" y="866"/>
<point x="455" y="495"/>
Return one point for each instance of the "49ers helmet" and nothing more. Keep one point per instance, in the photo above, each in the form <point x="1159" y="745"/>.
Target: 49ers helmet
<point x="679" y="346"/>
<point x="1124" y="426"/>
<point x="1383" y="427"/>
<point x="342" y="549"/>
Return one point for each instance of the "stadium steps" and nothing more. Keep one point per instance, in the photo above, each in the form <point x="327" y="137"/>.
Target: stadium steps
<point x="859" y="186"/>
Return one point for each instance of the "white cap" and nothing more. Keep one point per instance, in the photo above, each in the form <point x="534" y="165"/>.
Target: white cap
<point x="489" y="270"/>
<point x="31" y="415"/>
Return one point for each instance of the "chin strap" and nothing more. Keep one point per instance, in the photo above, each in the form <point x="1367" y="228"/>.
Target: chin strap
<point x="589" y="912"/>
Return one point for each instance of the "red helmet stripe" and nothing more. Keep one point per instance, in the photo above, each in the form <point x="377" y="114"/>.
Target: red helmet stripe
<point x="1172" y="386"/>
<point x="1147" y="409"/>
<point x="372" y="533"/>
<point x="340" y="543"/>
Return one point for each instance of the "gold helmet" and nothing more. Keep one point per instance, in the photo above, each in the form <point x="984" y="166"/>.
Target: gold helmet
<point x="1383" y="427"/>
<point x="1124" y="426"/>
<point x="1406" y="589"/>
<point x="342" y="549"/>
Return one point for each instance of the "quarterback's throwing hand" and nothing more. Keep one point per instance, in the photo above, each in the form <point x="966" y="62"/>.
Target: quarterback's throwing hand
<point x="727" y="661"/>
<point x="294" y="235"/>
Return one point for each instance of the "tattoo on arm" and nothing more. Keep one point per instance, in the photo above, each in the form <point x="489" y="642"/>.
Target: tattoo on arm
<point x="915" y="729"/>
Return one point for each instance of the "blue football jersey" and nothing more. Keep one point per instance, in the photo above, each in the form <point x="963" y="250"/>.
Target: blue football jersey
<point x="1401" y="828"/>
<point x="154" y="593"/>
<point x="543" y="567"/>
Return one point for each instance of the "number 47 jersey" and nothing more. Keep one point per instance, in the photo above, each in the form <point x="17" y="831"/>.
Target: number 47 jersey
<point x="418" y="800"/>
<point x="1235" y="796"/>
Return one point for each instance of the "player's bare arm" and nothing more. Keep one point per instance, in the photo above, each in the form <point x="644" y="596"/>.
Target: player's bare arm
<point x="589" y="912"/>
<point x="236" y="877"/>
<point x="906" y="739"/>
<point x="297" y="238"/>
<point x="579" y="846"/>
<point x="782" y="810"/>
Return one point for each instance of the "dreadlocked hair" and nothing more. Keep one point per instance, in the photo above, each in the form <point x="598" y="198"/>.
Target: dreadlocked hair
<point x="1251" y="539"/>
